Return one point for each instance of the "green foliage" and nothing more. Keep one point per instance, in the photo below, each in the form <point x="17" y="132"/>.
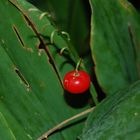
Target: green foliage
<point x="32" y="98"/>
<point x="115" y="34"/>
<point x="66" y="16"/>
<point x="31" y="94"/>
<point x="117" y="117"/>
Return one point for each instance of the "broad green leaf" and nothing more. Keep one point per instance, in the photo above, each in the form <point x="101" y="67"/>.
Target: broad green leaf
<point x="31" y="95"/>
<point x="5" y="131"/>
<point x="116" y="118"/>
<point x="115" y="34"/>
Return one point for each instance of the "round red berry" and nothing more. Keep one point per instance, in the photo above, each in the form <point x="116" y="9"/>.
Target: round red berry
<point x="76" y="82"/>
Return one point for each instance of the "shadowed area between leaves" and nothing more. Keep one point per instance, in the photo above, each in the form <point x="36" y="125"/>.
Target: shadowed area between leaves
<point x="77" y="100"/>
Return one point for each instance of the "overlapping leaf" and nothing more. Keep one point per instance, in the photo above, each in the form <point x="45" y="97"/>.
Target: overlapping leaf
<point x="115" y="35"/>
<point x="117" y="117"/>
<point x="31" y="94"/>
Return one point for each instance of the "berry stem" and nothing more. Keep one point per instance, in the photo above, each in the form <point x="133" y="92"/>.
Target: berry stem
<point x="60" y="125"/>
<point x="78" y="64"/>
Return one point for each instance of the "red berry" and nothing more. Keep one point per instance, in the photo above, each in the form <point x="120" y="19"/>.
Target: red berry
<point x="76" y="82"/>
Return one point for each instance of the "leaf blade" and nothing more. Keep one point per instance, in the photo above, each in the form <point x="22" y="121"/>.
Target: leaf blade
<point x="111" y="45"/>
<point x="116" y="117"/>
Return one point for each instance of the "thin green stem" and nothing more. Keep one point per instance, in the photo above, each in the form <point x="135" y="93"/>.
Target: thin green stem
<point x="78" y="64"/>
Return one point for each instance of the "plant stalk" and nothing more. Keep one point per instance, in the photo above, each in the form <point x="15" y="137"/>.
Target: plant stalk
<point x="62" y="124"/>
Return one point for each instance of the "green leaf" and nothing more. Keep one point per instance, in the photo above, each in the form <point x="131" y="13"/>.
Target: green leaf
<point x="79" y="25"/>
<point x="115" y="34"/>
<point x="5" y="131"/>
<point x="31" y="94"/>
<point x="117" y="117"/>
